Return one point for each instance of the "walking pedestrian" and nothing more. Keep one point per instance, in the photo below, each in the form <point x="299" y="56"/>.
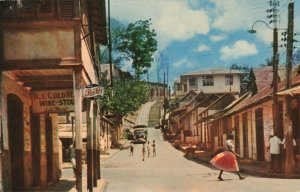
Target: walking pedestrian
<point x="148" y="148"/>
<point x="143" y="151"/>
<point x="275" y="153"/>
<point x="154" y="149"/>
<point x="226" y="161"/>
<point x="131" y="150"/>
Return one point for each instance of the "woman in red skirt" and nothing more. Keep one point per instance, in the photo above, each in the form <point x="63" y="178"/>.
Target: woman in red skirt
<point x="226" y="161"/>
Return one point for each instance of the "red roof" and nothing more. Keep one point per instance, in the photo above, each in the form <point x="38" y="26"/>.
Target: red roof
<point x="263" y="94"/>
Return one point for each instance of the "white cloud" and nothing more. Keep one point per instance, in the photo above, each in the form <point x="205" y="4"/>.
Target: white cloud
<point x="237" y="14"/>
<point x="216" y="38"/>
<point x="183" y="62"/>
<point x="239" y="49"/>
<point x="202" y="48"/>
<point x="173" y="20"/>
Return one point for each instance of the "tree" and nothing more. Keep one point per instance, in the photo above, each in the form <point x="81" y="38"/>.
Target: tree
<point x="124" y="98"/>
<point x="296" y="57"/>
<point x="138" y="43"/>
<point x="240" y="67"/>
<point x="267" y="63"/>
<point x="162" y="63"/>
<point x="116" y="29"/>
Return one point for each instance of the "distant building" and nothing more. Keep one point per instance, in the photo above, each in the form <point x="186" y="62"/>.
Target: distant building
<point x="210" y="81"/>
<point x="116" y="72"/>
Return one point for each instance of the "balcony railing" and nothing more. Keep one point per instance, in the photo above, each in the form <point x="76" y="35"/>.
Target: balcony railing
<point x="37" y="9"/>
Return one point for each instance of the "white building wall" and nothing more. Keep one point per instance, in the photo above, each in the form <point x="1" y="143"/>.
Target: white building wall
<point x="218" y="87"/>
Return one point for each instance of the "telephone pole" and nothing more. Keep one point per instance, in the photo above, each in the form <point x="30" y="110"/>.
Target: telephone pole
<point x="288" y="131"/>
<point x="274" y="14"/>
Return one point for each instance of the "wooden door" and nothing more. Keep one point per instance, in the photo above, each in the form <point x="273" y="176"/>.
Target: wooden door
<point x="36" y="148"/>
<point x="49" y="148"/>
<point x="245" y="135"/>
<point x="260" y="146"/>
<point x="16" y="141"/>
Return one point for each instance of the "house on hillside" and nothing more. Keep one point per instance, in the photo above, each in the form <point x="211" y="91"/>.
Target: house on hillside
<point x="117" y="73"/>
<point x="206" y="114"/>
<point x="217" y="81"/>
<point x="179" y="109"/>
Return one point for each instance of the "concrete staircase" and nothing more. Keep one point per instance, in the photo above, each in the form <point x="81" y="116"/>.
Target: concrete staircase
<point x="154" y="115"/>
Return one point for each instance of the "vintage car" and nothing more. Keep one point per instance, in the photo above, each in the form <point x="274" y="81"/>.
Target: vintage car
<point x="140" y="133"/>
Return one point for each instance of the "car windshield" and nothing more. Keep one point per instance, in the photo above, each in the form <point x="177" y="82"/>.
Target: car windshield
<point x="139" y="126"/>
<point x="139" y="132"/>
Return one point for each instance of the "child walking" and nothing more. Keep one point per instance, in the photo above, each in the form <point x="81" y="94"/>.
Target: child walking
<point x="143" y="151"/>
<point x="154" y="149"/>
<point x="131" y="150"/>
<point x="148" y="148"/>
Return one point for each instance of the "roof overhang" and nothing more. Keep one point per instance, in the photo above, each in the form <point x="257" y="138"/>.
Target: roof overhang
<point x="292" y="91"/>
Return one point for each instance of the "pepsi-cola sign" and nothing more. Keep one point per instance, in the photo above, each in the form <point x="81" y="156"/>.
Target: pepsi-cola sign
<point x="93" y="91"/>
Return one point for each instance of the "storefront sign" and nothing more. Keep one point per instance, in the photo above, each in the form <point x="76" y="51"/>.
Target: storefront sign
<point x="93" y="91"/>
<point x="53" y="101"/>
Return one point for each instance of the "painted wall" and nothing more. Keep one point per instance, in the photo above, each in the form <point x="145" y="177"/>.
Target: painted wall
<point x="268" y="129"/>
<point x="39" y="44"/>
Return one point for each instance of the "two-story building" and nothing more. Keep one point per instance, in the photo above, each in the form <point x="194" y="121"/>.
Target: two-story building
<point x="47" y="56"/>
<point x="215" y="81"/>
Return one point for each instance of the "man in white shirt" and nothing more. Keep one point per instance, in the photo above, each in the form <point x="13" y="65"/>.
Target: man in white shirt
<point x="275" y="153"/>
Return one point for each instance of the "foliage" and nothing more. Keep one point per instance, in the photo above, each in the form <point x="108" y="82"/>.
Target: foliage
<point x="267" y="63"/>
<point x="138" y="43"/>
<point x="296" y="57"/>
<point x="116" y="29"/>
<point x="124" y="98"/>
<point x="240" y="67"/>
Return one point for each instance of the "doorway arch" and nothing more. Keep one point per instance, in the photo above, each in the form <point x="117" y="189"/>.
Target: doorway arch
<point x="16" y="140"/>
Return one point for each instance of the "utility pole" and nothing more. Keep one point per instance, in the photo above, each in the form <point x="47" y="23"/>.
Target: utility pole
<point x="110" y="47"/>
<point x="288" y="131"/>
<point x="274" y="9"/>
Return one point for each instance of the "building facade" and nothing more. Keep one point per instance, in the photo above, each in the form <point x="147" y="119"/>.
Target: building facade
<point x="210" y="81"/>
<point x="47" y="55"/>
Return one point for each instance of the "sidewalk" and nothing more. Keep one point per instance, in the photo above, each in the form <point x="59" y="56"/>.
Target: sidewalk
<point x="67" y="181"/>
<point x="248" y="166"/>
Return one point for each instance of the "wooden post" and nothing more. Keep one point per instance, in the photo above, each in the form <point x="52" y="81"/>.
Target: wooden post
<point x="78" y="126"/>
<point x="89" y="147"/>
<point x="288" y="131"/>
<point x="95" y="142"/>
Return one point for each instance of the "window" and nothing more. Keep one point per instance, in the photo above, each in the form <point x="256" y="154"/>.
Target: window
<point x="228" y="80"/>
<point x="208" y="80"/>
<point x="193" y="82"/>
<point x="185" y="87"/>
<point x="178" y="87"/>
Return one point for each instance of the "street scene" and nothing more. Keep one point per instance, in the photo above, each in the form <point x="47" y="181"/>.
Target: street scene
<point x="150" y="95"/>
<point x="170" y="170"/>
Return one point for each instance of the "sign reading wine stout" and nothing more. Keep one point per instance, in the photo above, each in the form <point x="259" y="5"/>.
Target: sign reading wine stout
<point x="92" y="91"/>
<point x="53" y="101"/>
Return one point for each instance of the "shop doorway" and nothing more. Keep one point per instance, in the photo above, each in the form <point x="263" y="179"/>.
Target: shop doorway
<point x="49" y="148"/>
<point x="16" y="141"/>
<point x="260" y="147"/>
<point x="36" y="148"/>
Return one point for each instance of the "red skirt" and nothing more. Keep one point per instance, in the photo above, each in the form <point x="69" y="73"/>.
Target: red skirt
<point x="225" y="161"/>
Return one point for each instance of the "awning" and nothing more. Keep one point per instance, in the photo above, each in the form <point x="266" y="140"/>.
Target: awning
<point x="292" y="91"/>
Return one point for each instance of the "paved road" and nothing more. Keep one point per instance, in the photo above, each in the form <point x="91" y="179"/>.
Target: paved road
<point x="143" y="115"/>
<point x="171" y="171"/>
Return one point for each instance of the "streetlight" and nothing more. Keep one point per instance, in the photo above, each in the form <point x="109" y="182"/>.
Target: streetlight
<point x="252" y="30"/>
<point x="275" y="72"/>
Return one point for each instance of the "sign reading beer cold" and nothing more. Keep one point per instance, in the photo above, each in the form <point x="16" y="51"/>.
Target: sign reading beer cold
<point x="53" y="101"/>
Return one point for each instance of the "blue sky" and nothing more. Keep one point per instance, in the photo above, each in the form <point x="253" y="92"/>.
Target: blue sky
<point x="196" y="34"/>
